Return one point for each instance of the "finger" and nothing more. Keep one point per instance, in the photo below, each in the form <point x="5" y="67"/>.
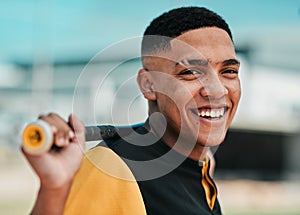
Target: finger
<point x="60" y="127"/>
<point x="53" y="128"/>
<point x="78" y="127"/>
<point x="67" y="131"/>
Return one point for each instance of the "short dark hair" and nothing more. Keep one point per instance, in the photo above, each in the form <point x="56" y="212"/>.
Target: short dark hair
<point x="176" y="22"/>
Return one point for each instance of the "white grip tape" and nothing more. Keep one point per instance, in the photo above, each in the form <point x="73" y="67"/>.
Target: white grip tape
<point x="37" y="138"/>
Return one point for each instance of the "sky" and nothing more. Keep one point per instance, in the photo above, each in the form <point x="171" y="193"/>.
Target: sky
<point x="73" y="28"/>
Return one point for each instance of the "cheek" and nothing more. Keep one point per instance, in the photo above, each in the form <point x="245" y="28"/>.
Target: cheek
<point x="170" y="101"/>
<point x="236" y="95"/>
<point x="173" y="102"/>
<point x="234" y="90"/>
<point x="177" y="94"/>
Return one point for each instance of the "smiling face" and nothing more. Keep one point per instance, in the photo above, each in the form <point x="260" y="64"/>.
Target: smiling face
<point x="197" y="88"/>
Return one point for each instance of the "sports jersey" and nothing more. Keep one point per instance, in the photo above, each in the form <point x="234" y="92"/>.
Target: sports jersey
<point x="116" y="178"/>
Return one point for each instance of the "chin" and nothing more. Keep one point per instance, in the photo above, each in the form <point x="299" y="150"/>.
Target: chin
<point x="211" y="140"/>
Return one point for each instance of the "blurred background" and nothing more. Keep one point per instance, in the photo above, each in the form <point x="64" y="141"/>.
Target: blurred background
<point x="83" y="56"/>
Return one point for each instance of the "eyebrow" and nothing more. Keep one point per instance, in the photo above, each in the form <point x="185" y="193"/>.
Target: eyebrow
<point x="202" y="62"/>
<point x="192" y="62"/>
<point x="231" y="62"/>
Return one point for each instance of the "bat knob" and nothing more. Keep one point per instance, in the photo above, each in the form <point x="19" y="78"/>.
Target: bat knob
<point x="37" y="138"/>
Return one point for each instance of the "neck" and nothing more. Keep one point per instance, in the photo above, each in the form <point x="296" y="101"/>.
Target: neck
<point x="188" y="147"/>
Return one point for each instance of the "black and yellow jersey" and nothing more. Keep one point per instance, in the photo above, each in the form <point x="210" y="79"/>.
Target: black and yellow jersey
<point x="130" y="176"/>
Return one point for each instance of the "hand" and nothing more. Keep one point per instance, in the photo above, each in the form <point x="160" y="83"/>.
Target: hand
<point x="56" y="169"/>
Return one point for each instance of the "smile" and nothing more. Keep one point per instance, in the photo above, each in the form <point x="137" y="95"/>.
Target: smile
<point x="210" y="113"/>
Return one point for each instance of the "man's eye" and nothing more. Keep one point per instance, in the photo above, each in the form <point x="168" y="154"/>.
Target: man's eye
<point x="192" y="73"/>
<point x="230" y="73"/>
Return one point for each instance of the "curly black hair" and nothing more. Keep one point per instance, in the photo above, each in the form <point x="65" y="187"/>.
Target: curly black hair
<point x="176" y="22"/>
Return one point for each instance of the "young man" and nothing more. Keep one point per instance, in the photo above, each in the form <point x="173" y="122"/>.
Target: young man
<point x="190" y="79"/>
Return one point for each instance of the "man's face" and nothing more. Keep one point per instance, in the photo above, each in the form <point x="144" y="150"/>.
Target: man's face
<point x="197" y="88"/>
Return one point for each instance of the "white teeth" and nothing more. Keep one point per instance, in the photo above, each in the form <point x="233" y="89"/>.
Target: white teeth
<point x="213" y="113"/>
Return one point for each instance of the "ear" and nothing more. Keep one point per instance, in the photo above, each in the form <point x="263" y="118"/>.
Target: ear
<point x="145" y="82"/>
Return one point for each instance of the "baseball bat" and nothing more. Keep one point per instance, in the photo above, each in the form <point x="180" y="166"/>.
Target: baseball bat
<point x="37" y="137"/>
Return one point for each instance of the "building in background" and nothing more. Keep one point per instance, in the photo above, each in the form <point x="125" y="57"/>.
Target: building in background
<point x="77" y="57"/>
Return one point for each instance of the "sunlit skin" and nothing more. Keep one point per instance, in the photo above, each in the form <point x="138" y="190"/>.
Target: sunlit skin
<point x="182" y="83"/>
<point x="191" y="82"/>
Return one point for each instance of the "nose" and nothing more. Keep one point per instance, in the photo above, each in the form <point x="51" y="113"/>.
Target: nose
<point x="213" y="88"/>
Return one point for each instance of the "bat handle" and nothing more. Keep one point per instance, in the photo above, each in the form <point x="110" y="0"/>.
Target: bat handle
<point x="37" y="138"/>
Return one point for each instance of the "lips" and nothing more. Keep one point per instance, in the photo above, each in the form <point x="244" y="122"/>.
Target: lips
<point x="210" y="112"/>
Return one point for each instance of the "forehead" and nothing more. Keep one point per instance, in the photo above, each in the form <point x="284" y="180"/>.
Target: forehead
<point x="211" y="43"/>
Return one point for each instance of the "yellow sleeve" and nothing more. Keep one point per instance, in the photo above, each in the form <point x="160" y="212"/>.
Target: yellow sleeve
<point x="104" y="185"/>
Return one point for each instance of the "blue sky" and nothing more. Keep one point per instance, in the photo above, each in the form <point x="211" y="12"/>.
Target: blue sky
<point x="81" y="28"/>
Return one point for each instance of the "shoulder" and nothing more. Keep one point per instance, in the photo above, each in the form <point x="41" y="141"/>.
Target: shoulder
<point x="106" y="179"/>
<point x="103" y="160"/>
